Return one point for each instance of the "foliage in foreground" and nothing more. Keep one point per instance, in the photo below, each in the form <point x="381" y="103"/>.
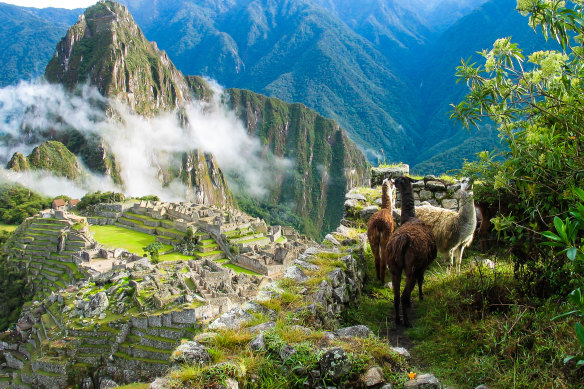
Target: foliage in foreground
<point x="537" y="105"/>
<point x="477" y="328"/>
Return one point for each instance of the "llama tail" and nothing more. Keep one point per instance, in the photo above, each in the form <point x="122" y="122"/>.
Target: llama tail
<point x="397" y="248"/>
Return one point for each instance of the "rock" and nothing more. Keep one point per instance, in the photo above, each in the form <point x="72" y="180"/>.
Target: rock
<point x="402" y="351"/>
<point x="355" y="196"/>
<point x="349" y="204"/>
<point x="337" y="277"/>
<point x="299" y="328"/>
<point x="306" y="265"/>
<point x="482" y="387"/>
<point x="435" y="186"/>
<point x="98" y="304"/>
<point x="450" y="204"/>
<point x="205" y="337"/>
<point x="262" y="327"/>
<point x="253" y="307"/>
<point x="232" y="319"/>
<point x="159" y="383"/>
<point x="424" y="381"/>
<point x="107" y="383"/>
<point x="102" y="316"/>
<point x="358" y="331"/>
<point x="349" y="242"/>
<point x="286" y="352"/>
<point x="295" y="273"/>
<point x="332" y="239"/>
<point x="334" y="364"/>
<point x="367" y="212"/>
<point x="373" y="376"/>
<point x="191" y="353"/>
<point x="342" y="230"/>
<point x="258" y="343"/>
<point x="230" y="383"/>
<point x="425" y="195"/>
<point x="386" y="386"/>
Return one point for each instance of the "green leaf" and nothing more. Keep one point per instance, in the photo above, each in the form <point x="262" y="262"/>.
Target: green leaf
<point x="580" y="333"/>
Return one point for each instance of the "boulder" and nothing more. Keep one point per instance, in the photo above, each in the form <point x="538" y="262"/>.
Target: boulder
<point x="258" y="343"/>
<point x="332" y="239"/>
<point x="232" y="319"/>
<point x="258" y="308"/>
<point x="367" y="212"/>
<point x="358" y="331"/>
<point x="402" y="351"/>
<point x="295" y="273"/>
<point x="306" y="265"/>
<point x="334" y="364"/>
<point x="423" y="381"/>
<point x="107" y="383"/>
<point x="372" y="377"/>
<point x="191" y="353"/>
<point x="159" y="383"/>
<point x="262" y="327"/>
<point x="98" y="304"/>
<point x="355" y="196"/>
<point x="286" y="352"/>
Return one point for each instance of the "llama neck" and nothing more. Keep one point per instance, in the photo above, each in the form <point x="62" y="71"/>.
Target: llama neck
<point x="386" y="198"/>
<point x="467" y="210"/>
<point x="408" y="209"/>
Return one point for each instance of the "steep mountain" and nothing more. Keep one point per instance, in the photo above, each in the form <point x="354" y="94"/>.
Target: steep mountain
<point x="29" y="36"/>
<point x="327" y="164"/>
<point x="311" y="161"/>
<point x="294" y="50"/>
<point x="447" y="144"/>
<point x="51" y="156"/>
<point x="107" y="49"/>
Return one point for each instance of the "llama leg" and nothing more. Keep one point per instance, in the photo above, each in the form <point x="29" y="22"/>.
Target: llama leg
<point x="382" y="268"/>
<point x="395" y="281"/>
<point x="405" y="299"/>
<point x="420" y="282"/>
<point x="377" y="261"/>
<point x="458" y="253"/>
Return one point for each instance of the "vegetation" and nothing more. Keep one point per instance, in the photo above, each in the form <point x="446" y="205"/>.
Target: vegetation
<point x="13" y="290"/>
<point x="154" y="250"/>
<point x="537" y="108"/>
<point x="17" y="203"/>
<point x="114" y="236"/>
<point x="99" y="197"/>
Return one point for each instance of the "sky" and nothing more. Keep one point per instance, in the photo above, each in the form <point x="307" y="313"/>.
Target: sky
<point x="71" y="4"/>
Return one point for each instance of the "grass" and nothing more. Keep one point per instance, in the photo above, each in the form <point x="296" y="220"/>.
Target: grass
<point x="134" y="386"/>
<point x="240" y="269"/>
<point x="119" y="237"/>
<point x="7" y="227"/>
<point x="477" y="328"/>
<point x="176" y="257"/>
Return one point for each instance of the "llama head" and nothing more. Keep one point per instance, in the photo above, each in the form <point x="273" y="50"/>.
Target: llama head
<point x="466" y="190"/>
<point x="404" y="182"/>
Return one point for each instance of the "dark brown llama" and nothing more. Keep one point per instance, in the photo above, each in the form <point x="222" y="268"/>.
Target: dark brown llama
<point x="411" y="248"/>
<point x="380" y="222"/>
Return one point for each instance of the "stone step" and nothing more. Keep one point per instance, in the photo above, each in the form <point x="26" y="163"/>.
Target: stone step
<point x="136" y="227"/>
<point x="213" y="255"/>
<point x="207" y="248"/>
<point x="153" y="341"/>
<point x="138" y="351"/>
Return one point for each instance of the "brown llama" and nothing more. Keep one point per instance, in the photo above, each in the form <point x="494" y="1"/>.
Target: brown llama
<point x="380" y="222"/>
<point x="411" y="249"/>
<point x="488" y="211"/>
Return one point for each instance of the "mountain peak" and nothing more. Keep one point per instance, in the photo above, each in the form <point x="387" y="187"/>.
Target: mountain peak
<point x="107" y="49"/>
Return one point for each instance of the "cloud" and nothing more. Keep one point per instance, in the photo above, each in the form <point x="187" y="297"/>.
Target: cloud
<point x="144" y="147"/>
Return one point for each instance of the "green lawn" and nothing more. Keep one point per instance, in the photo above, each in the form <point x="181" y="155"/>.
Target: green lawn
<point x="7" y="227"/>
<point x="239" y="269"/>
<point x="119" y="237"/>
<point x="176" y="257"/>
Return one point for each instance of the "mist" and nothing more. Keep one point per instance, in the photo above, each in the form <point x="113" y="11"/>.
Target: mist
<point x="31" y="111"/>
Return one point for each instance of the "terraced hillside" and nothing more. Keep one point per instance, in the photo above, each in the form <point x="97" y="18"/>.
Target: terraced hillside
<point x="46" y="247"/>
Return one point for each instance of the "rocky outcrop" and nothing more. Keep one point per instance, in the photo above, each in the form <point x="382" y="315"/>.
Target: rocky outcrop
<point x="327" y="162"/>
<point x="51" y="156"/>
<point x="108" y="48"/>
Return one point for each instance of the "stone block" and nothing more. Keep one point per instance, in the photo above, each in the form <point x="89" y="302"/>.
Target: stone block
<point x="154" y="321"/>
<point x="450" y="204"/>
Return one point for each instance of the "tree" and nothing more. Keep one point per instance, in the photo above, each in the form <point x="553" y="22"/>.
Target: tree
<point x="153" y="249"/>
<point x="537" y="103"/>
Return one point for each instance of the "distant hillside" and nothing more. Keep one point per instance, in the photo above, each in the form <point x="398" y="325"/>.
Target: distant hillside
<point x="305" y="162"/>
<point x="445" y="143"/>
<point x="28" y="39"/>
